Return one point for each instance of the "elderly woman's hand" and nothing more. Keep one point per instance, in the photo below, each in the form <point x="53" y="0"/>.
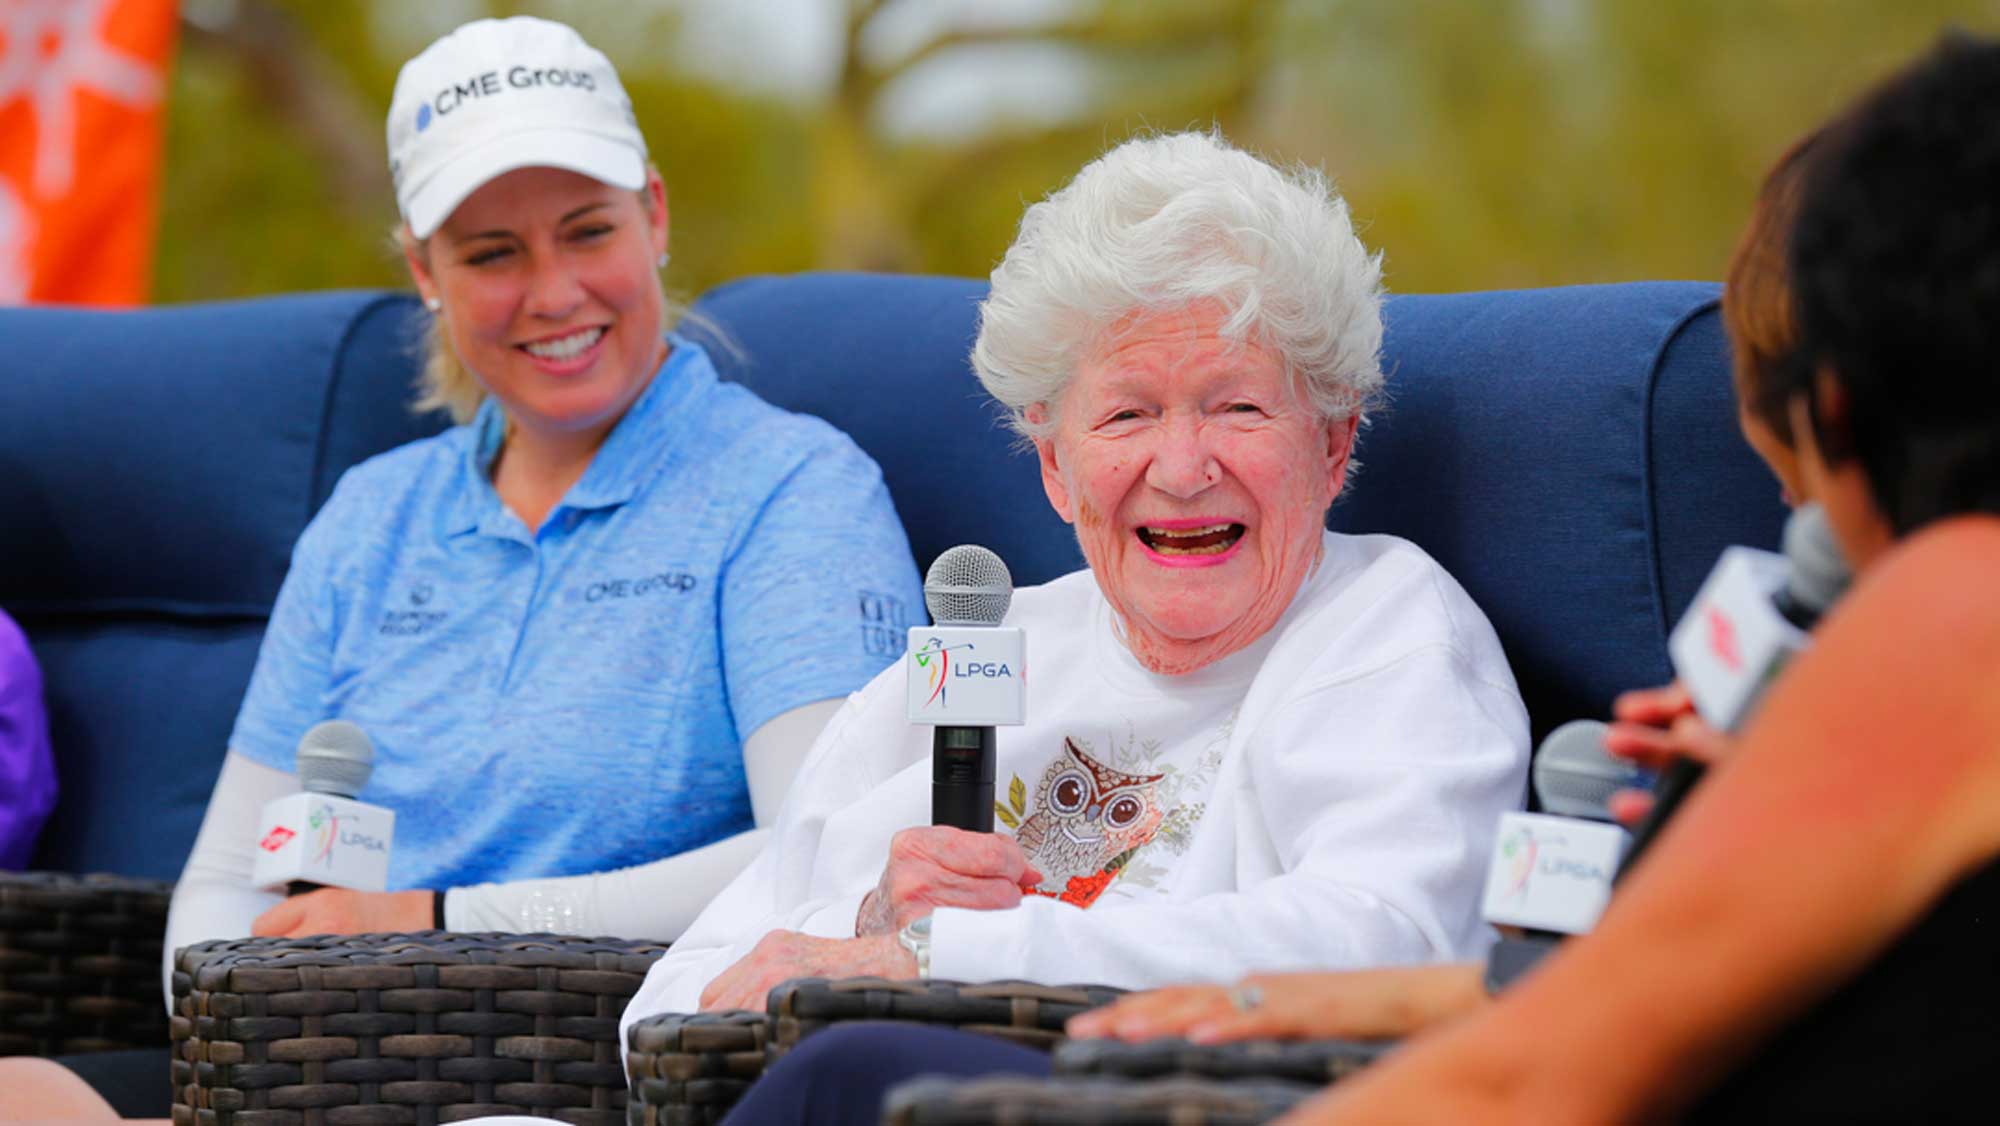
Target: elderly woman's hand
<point x="783" y="955"/>
<point x="936" y="866"/>
<point x="1375" y="1004"/>
<point x="1653" y="727"/>
<point x="341" y="911"/>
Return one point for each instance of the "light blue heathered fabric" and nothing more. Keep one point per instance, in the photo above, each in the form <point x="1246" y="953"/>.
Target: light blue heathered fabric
<point x="575" y="700"/>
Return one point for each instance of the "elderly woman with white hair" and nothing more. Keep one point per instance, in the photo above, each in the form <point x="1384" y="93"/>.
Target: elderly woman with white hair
<point x="1250" y="744"/>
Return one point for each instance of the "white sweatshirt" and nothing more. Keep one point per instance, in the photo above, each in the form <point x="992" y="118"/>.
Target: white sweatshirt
<point x="1323" y="799"/>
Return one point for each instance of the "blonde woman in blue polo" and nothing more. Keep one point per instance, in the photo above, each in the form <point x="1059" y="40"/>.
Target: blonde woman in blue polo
<point x="592" y="630"/>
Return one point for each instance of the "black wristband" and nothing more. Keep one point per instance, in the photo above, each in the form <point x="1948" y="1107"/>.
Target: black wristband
<point x="437" y="910"/>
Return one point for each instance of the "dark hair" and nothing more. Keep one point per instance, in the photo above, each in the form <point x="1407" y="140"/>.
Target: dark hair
<point x="1896" y="271"/>
<point x="1758" y="309"/>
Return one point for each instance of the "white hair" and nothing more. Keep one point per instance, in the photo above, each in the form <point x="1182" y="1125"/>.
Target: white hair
<point x="1160" y="223"/>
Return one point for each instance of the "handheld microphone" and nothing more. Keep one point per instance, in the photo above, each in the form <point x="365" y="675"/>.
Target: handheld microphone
<point x="1551" y="872"/>
<point x="1575" y="776"/>
<point x="967" y="673"/>
<point x="323" y="837"/>
<point x="1749" y="619"/>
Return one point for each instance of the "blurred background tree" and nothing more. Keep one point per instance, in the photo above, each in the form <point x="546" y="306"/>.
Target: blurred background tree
<point x="1482" y="143"/>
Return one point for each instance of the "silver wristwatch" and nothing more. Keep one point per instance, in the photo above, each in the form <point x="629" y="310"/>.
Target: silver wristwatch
<point x="916" y="938"/>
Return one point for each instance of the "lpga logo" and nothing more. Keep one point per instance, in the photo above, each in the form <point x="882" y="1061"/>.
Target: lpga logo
<point x="326" y="825"/>
<point x="1551" y="856"/>
<point x="1551" y="873"/>
<point x="935" y="659"/>
<point x="1520" y="848"/>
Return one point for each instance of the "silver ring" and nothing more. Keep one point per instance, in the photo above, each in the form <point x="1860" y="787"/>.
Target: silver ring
<point x="1243" y="997"/>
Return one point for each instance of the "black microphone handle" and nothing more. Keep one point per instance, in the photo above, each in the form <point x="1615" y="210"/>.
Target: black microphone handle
<point x="962" y="778"/>
<point x="1677" y="781"/>
<point x="300" y="887"/>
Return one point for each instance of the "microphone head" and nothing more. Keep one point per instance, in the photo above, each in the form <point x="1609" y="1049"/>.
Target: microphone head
<point x="1818" y="573"/>
<point x="1575" y="776"/>
<point x="968" y="586"/>
<point x="335" y="758"/>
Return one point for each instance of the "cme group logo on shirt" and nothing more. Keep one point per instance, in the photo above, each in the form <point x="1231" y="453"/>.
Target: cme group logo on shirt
<point x="653" y="585"/>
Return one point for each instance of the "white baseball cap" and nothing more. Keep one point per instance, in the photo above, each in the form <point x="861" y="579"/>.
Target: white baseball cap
<point x="496" y="95"/>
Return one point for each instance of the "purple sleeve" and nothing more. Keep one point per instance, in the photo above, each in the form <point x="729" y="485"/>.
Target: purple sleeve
<point x="27" y="766"/>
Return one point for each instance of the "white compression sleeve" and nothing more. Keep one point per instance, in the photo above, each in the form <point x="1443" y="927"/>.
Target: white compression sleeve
<point x="214" y="898"/>
<point x="658" y="899"/>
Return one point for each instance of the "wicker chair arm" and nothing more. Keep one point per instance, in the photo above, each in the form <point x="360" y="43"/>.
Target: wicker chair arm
<point x="80" y="963"/>
<point x="1021" y="1011"/>
<point x="1315" y="1062"/>
<point x="402" y="1028"/>
<point x="1089" y="1101"/>
<point x="688" y="1070"/>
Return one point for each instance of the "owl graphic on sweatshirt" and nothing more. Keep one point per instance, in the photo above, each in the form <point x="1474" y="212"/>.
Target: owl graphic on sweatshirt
<point x="1088" y="819"/>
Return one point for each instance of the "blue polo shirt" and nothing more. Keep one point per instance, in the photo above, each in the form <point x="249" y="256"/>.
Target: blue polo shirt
<point x="575" y="699"/>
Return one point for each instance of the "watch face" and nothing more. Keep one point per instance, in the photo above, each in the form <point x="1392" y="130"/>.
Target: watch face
<point x="921" y="927"/>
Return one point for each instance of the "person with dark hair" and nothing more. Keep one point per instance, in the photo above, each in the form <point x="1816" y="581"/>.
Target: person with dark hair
<point x="1812" y="936"/>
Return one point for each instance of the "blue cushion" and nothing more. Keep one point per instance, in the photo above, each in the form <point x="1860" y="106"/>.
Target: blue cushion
<point x="155" y="468"/>
<point x="1571" y="456"/>
<point x="887" y="358"/>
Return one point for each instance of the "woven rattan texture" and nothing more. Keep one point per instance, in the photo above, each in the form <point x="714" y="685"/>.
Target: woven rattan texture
<point x="403" y="1029"/>
<point x="80" y="963"/>
<point x="1307" y="1061"/>
<point x="1026" y="1013"/>
<point x="1020" y="1101"/>
<point x="691" y="1069"/>
<point x="688" y="1070"/>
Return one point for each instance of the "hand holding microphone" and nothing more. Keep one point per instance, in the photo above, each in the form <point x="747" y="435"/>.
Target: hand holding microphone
<point x="329" y="851"/>
<point x="1551" y="872"/>
<point x="937" y="866"/>
<point x="1749" y="619"/>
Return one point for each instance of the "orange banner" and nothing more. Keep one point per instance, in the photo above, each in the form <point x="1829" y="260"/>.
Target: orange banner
<point x="83" y="88"/>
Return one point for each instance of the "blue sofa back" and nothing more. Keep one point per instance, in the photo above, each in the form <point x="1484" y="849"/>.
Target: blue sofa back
<point x="155" y="467"/>
<point x="1569" y="454"/>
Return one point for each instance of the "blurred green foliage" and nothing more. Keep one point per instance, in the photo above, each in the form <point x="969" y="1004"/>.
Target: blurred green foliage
<point x="1481" y="143"/>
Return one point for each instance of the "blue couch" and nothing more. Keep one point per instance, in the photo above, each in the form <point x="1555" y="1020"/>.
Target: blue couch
<point x="1569" y="454"/>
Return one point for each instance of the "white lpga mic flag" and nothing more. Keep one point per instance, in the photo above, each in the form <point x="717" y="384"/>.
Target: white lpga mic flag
<point x="1733" y="641"/>
<point x="324" y="839"/>
<point x="324" y="836"/>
